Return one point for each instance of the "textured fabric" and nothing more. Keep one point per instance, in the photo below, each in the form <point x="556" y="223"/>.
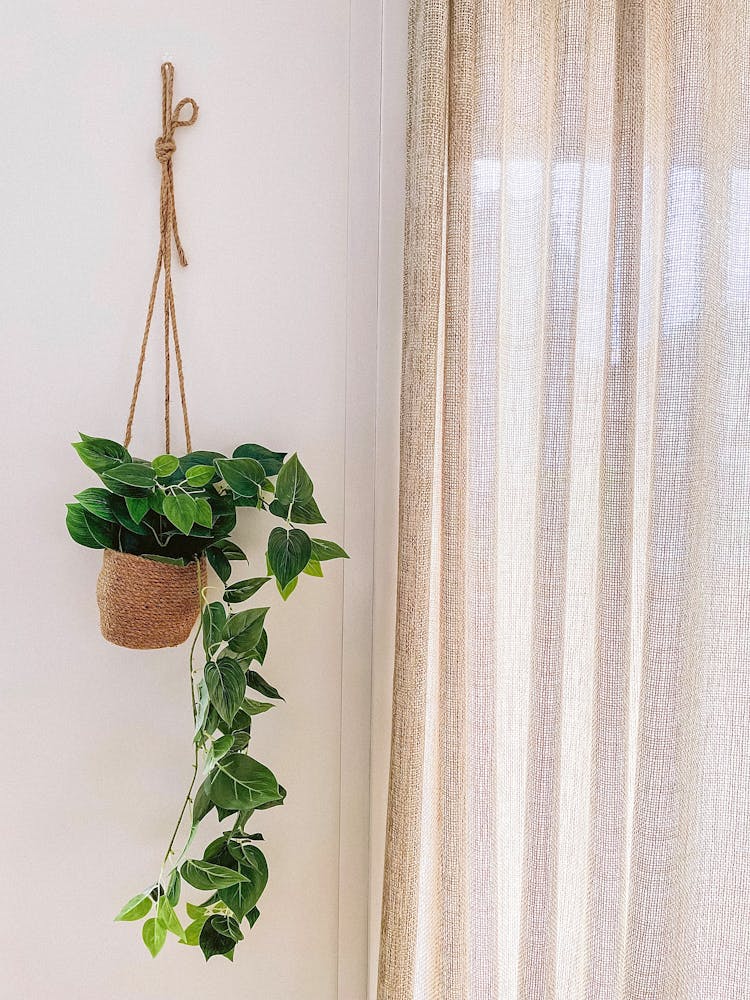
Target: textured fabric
<point x="569" y="807"/>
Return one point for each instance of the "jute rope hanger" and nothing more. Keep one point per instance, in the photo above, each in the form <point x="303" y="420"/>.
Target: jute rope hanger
<point x="165" y="147"/>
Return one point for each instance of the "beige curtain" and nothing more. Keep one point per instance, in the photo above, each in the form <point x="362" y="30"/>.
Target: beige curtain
<point x="569" y="808"/>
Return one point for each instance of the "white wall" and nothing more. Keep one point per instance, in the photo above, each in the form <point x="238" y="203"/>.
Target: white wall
<point x="277" y="195"/>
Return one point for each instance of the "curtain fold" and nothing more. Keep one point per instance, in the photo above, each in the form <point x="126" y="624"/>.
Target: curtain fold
<point x="569" y="803"/>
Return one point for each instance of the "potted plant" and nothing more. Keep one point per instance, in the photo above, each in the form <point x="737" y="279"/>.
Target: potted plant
<point x="159" y="523"/>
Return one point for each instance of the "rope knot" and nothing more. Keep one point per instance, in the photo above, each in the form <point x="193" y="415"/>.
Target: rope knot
<point x="164" y="149"/>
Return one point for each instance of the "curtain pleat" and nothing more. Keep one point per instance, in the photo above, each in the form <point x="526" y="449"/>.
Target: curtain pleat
<point x="569" y="801"/>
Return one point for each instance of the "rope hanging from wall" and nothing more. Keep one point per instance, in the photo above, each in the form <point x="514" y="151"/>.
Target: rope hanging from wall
<point x="168" y="230"/>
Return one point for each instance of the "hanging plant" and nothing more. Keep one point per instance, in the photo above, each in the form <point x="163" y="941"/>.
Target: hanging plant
<point x="159" y="524"/>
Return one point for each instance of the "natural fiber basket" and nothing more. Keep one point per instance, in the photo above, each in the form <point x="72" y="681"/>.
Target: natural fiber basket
<point x="145" y="604"/>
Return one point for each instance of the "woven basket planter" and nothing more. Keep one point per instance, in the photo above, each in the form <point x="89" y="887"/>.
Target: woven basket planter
<point x="145" y="604"/>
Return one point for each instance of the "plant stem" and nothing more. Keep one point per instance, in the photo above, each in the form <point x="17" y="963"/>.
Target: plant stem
<point x="188" y="798"/>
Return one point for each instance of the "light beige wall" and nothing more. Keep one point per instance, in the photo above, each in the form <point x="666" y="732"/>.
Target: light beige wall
<point x="277" y="195"/>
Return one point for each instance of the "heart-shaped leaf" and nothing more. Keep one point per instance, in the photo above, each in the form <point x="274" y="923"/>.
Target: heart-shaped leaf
<point x="270" y="460"/>
<point x="243" y="630"/>
<point x="260" y="684"/>
<point x="138" y="507"/>
<point x="106" y="533"/>
<point x="214" y="620"/>
<point x="154" y="936"/>
<point x="240" y="782"/>
<point x="219" y="563"/>
<point x="132" y="474"/>
<point x="75" y="521"/>
<point x="136" y="907"/>
<point x="165" y="915"/>
<point x="243" y="590"/>
<point x="100" y="454"/>
<point x="313" y="568"/>
<point x="214" y="941"/>
<point x="165" y="465"/>
<point x="200" y="475"/>
<point x="230" y="550"/>
<point x="288" y="553"/>
<point x="293" y="484"/>
<point x="301" y="513"/>
<point x="203" y="513"/>
<point x="226" y="683"/>
<point x="255" y="707"/>
<point x="180" y="510"/>
<point x="204" y="875"/>
<point x="97" y="501"/>
<point x="322" y="550"/>
<point x="243" y="476"/>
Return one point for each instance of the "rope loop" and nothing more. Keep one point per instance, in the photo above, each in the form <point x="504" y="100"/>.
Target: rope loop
<point x="164" y="148"/>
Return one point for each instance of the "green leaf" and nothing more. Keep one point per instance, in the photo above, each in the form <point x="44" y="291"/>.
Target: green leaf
<point x="138" y="507"/>
<point x="106" y="533"/>
<point x="220" y="748"/>
<point x="174" y="887"/>
<point x="242" y="475"/>
<point x="252" y="916"/>
<point x="180" y="510"/>
<point x="243" y="590"/>
<point x="135" y="908"/>
<point x="260" y="684"/>
<point x="241" y="847"/>
<point x="202" y="804"/>
<point x="226" y="686"/>
<point x="165" y="465"/>
<point x="313" y="568"/>
<point x="193" y="931"/>
<point x="119" y="506"/>
<point x="293" y="484"/>
<point x="279" y="801"/>
<point x="132" y="474"/>
<point x="201" y="710"/>
<point x="194" y="458"/>
<point x="154" y="936"/>
<point x="165" y="915"/>
<point x="240" y="741"/>
<point x="255" y="707"/>
<point x="243" y="630"/>
<point x="195" y="912"/>
<point x="322" y="550"/>
<point x="75" y="522"/>
<point x="270" y="460"/>
<point x="97" y="501"/>
<point x="230" y="550"/>
<point x="288" y="553"/>
<point x="289" y="589"/>
<point x="219" y="563"/>
<point x="302" y="513"/>
<point x="204" y="875"/>
<point x="228" y="927"/>
<point x="240" y="898"/>
<point x="212" y="941"/>
<point x="214" y="620"/>
<point x="200" y="475"/>
<point x="259" y="653"/>
<point x="240" y="782"/>
<point x="100" y="454"/>
<point x="203" y="513"/>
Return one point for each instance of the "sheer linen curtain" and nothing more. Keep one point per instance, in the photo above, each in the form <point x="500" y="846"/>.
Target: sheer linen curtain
<point x="569" y="806"/>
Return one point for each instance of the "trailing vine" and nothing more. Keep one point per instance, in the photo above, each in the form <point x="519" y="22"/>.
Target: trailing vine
<point x="176" y="510"/>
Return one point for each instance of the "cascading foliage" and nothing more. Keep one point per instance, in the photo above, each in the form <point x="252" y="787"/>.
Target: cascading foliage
<point x="175" y="510"/>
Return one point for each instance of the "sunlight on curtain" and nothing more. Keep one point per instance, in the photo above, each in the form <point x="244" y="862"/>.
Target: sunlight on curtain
<point x="569" y="812"/>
